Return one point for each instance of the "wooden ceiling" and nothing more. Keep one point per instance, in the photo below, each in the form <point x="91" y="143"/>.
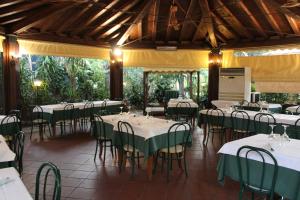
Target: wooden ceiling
<point x="201" y="24"/>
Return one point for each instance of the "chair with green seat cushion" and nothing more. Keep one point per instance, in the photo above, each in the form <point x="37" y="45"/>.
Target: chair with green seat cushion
<point x="17" y="147"/>
<point x="17" y="113"/>
<point x="103" y="109"/>
<point x="127" y="146"/>
<point x="37" y="119"/>
<point x="183" y="112"/>
<point x="68" y="119"/>
<point x="86" y="116"/>
<point x="9" y="128"/>
<point x="215" y="124"/>
<point x="254" y="176"/>
<point x="50" y="172"/>
<point x="240" y="122"/>
<point x="262" y="122"/>
<point x="102" y="140"/>
<point x="179" y="135"/>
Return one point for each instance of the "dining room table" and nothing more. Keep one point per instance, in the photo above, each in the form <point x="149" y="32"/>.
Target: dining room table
<point x="281" y="119"/>
<point x="294" y="109"/>
<point x="151" y="134"/>
<point x="55" y="112"/>
<point x="11" y="185"/>
<point x="286" y="153"/>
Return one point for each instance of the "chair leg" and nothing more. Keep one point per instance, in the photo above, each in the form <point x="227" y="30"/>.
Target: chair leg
<point x="101" y="148"/>
<point x="61" y="128"/>
<point x="104" y="156"/>
<point x="168" y="166"/>
<point x="163" y="161"/>
<point x="120" y="161"/>
<point x="207" y="138"/>
<point x="31" y="130"/>
<point x="97" y="142"/>
<point x="138" y="159"/>
<point x="155" y="162"/>
<point x="179" y="161"/>
<point x="185" y="165"/>
<point x="132" y="164"/>
<point x="49" y="128"/>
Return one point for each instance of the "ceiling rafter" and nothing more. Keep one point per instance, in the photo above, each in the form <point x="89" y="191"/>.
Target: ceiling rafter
<point x="284" y="10"/>
<point x="141" y="14"/>
<point x="17" y="8"/>
<point x="114" y="29"/>
<point x="75" y="16"/>
<point x="268" y="13"/>
<point x="253" y="20"/>
<point x="293" y="23"/>
<point x="94" y="16"/>
<point x="208" y="22"/>
<point x="222" y="26"/>
<point x="4" y="3"/>
<point x="201" y="30"/>
<point x="188" y="16"/>
<point x="111" y="16"/>
<point x="168" y="25"/>
<point x="152" y="19"/>
<point x="234" y="21"/>
<point x="38" y="17"/>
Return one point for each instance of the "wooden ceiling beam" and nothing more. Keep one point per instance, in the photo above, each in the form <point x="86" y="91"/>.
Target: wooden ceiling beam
<point x="38" y="17"/>
<point x="293" y="23"/>
<point x="263" y="6"/>
<point x="141" y="14"/>
<point x="235" y="22"/>
<point x="206" y="14"/>
<point x="201" y="30"/>
<point x="152" y="19"/>
<point x="111" y="16"/>
<point x="17" y="8"/>
<point x="222" y="26"/>
<point x="168" y="25"/>
<point x="253" y="20"/>
<point x="76" y="15"/>
<point x="283" y="10"/>
<point x="5" y="3"/>
<point x="187" y="17"/>
<point x="94" y="16"/>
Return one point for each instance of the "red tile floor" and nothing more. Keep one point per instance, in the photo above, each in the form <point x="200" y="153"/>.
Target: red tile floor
<point x="82" y="178"/>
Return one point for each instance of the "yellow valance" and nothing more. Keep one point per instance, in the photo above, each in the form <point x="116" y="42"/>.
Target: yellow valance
<point x="62" y="49"/>
<point x="1" y="43"/>
<point x="278" y="87"/>
<point x="283" y="68"/>
<point x="156" y="60"/>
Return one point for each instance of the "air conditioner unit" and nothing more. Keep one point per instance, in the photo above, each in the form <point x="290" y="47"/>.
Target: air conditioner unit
<point x="235" y="84"/>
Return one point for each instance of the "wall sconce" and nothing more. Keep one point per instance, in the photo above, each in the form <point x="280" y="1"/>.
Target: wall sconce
<point x="215" y="57"/>
<point x="116" y="55"/>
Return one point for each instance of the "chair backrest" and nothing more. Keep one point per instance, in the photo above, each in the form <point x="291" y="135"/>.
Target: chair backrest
<point x="126" y="135"/>
<point x="244" y="103"/>
<point x="88" y="109"/>
<point x="288" y="112"/>
<point x="179" y="133"/>
<point x="259" y="175"/>
<point x="98" y="127"/>
<point x="68" y="112"/>
<point x="240" y="120"/>
<point x="9" y="125"/>
<point x="45" y="170"/>
<point x="37" y="114"/>
<point x="298" y="110"/>
<point x="262" y="122"/>
<point x="103" y="107"/>
<point x="17" y="146"/>
<point x="215" y="118"/>
<point x="296" y="131"/>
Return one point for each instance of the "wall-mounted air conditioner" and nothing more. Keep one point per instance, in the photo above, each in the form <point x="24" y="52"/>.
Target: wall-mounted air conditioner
<point x="235" y="84"/>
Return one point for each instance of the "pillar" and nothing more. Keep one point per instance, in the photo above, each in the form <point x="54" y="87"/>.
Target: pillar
<point x="215" y="63"/>
<point x="116" y="74"/>
<point x="11" y="73"/>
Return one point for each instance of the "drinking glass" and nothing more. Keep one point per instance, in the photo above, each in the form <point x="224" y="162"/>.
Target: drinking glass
<point x="285" y="135"/>
<point x="272" y="131"/>
<point x="121" y="108"/>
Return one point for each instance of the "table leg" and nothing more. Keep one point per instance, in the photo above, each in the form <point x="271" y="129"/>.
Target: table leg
<point x="53" y="129"/>
<point x="203" y="126"/>
<point x="150" y="166"/>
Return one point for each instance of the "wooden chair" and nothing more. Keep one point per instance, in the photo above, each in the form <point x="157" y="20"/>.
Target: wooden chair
<point x="37" y="119"/>
<point x="68" y="119"/>
<point x="215" y="124"/>
<point x="87" y="115"/>
<point x="262" y="122"/>
<point x="240" y="122"/>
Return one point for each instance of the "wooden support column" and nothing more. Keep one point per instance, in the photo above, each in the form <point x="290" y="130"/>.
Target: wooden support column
<point x="191" y="85"/>
<point x="198" y="87"/>
<point x="116" y="75"/>
<point x="145" y="83"/>
<point x="11" y="73"/>
<point x="215" y="63"/>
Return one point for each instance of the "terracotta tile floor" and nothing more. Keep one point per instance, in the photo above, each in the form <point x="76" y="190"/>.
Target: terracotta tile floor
<point x="84" y="179"/>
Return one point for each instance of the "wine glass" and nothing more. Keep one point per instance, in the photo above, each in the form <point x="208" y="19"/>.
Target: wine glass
<point x="285" y="135"/>
<point x="129" y="108"/>
<point x="147" y="114"/>
<point x="121" y="108"/>
<point x="272" y="135"/>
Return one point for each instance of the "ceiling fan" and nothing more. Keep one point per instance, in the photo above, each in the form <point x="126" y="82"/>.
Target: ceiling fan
<point x="291" y="4"/>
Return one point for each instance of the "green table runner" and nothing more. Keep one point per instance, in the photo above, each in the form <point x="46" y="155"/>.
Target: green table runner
<point x="288" y="180"/>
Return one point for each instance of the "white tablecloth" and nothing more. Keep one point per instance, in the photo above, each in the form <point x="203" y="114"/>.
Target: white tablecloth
<point x="224" y="103"/>
<point x="142" y="126"/>
<point x="79" y="105"/>
<point x="287" y="156"/>
<point x="293" y="109"/>
<point x="173" y="103"/>
<point x="280" y="118"/>
<point x="13" y="119"/>
<point x="14" y="189"/>
<point x="6" y="154"/>
<point x="266" y="105"/>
